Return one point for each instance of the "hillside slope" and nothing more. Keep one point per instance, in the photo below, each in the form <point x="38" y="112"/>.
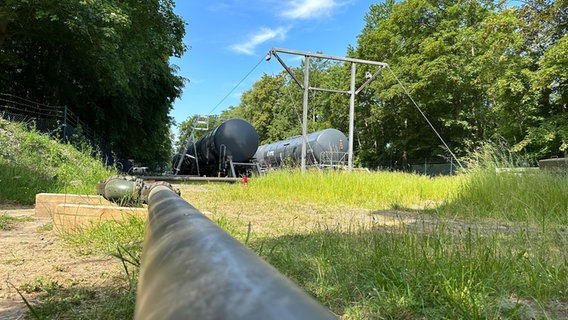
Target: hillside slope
<point x="31" y="163"/>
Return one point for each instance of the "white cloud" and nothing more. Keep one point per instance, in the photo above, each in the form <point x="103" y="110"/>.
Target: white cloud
<point x="262" y="36"/>
<point x="306" y="9"/>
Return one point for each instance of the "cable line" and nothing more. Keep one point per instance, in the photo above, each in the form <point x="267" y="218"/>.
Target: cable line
<point x="424" y="116"/>
<point x="236" y="86"/>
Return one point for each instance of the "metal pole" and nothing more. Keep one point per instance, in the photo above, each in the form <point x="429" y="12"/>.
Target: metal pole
<point x="65" y="124"/>
<point x="192" y="269"/>
<point x="305" y="112"/>
<point x="351" y="115"/>
<point x="324" y="56"/>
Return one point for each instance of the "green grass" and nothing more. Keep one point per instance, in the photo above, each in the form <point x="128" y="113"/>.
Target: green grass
<point x="469" y="249"/>
<point x="32" y="163"/>
<point x="58" y="301"/>
<point x="438" y="271"/>
<point x="9" y="223"/>
<point x="107" y="236"/>
<point x="439" y="260"/>
<point x="532" y="197"/>
<point x="376" y="190"/>
<point x="121" y="239"/>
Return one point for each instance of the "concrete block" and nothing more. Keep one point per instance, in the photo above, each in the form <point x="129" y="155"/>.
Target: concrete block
<point x="554" y="164"/>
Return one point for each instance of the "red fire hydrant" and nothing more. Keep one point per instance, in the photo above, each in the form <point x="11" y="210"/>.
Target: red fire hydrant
<point x="245" y="180"/>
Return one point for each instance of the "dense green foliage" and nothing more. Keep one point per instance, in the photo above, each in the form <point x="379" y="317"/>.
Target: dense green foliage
<point x="481" y="71"/>
<point x="106" y="60"/>
<point x="32" y="163"/>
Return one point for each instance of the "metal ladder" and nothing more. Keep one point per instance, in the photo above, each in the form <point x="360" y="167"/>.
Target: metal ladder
<point x="200" y="123"/>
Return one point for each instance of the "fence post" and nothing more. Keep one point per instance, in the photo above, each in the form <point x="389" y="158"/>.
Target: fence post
<point x="64" y="124"/>
<point x="192" y="269"/>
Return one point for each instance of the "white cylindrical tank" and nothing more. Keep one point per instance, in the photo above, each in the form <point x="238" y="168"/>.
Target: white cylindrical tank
<point x="326" y="146"/>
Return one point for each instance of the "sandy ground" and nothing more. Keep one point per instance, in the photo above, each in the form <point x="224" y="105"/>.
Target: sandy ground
<point x="32" y="251"/>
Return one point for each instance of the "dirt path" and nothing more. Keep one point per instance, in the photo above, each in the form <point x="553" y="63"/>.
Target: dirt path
<point x="31" y="254"/>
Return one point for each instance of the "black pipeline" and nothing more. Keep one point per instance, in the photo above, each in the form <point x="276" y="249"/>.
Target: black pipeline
<point x="192" y="269"/>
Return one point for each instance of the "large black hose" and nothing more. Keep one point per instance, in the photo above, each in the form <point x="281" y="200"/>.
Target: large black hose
<point x="192" y="269"/>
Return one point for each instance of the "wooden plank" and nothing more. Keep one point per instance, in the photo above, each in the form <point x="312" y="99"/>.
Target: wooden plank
<point x="47" y="202"/>
<point x="184" y="178"/>
<point x="75" y="216"/>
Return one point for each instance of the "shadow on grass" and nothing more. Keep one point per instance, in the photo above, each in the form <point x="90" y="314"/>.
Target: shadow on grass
<point x="82" y="302"/>
<point x="415" y="268"/>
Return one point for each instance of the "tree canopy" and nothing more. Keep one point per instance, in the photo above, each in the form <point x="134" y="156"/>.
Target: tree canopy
<point x="106" y="60"/>
<point x="481" y="71"/>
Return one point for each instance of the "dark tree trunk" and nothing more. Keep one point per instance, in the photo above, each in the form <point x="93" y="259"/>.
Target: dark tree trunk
<point x="3" y="28"/>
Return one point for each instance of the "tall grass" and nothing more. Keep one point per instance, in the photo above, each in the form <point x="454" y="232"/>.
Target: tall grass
<point x="109" y="237"/>
<point x="535" y="197"/>
<point x="436" y="272"/>
<point x="32" y="163"/>
<point x="481" y="245"/>
<point x="369" y="190"/>
<point x="499" y="186"/>
<point x="530" y="196"/>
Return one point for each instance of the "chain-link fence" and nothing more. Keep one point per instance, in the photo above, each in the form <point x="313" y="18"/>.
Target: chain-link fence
<point x="434" y="167"/>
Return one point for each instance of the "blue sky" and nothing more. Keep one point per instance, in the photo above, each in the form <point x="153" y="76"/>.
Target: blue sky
<point x="226" y="39"/>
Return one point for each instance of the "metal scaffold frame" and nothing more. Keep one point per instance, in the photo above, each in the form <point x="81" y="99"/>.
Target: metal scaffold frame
<point x="353" y="91"/>
<point x="201" y="123"/>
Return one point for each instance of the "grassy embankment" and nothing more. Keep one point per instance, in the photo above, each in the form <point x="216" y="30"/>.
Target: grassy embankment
<point x="480" y="245"/>
<point x="32" y="163"/>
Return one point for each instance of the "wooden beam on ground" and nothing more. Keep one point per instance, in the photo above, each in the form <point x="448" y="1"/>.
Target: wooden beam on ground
<point x="73" y="211"/>
<point x="47" y="202"/>
<point x="76" y="216"/>
<point x="182" y="178"/>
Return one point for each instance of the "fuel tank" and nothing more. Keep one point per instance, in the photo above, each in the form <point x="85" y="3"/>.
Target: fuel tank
<point x="235" y="139"/>
<point x="326" y="146"/>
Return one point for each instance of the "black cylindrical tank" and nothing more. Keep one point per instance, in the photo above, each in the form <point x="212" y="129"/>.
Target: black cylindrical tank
<point x="322" y="146"/>
<point x="234" y="138"/>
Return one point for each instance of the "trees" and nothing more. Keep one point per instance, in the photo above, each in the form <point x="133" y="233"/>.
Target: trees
<point x="480" y="71"/>
<point x="432" y="48"/>
<point x="106" y="60"/>
<point x="544" y="28"/>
